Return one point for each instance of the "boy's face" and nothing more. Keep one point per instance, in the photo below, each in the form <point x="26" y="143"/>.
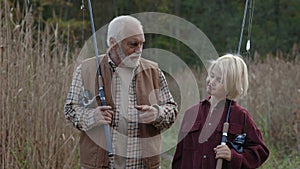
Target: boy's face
<point x="214" y="84"/>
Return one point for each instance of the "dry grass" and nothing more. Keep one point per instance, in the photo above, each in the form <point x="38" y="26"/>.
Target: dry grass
<point x="274" y="101"/>
<point x="34" y="81"/>
<point x="35" y="77"/>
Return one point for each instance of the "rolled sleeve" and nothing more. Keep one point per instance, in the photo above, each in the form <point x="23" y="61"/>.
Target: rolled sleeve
<point x="81" y="118"/>
<point x="255" y="151"/>
<point x="167" y="107"/>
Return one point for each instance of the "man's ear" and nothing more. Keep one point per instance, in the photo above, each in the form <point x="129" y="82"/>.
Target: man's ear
<point x="112" y="42"/>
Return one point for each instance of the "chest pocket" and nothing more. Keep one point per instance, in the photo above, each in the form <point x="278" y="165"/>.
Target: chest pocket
<point x="190" y="133"/>
<point x="190" y="127"/>
<point x="234" y="130"/>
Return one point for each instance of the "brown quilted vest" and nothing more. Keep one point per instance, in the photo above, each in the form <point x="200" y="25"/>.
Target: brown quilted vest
<point x="147" y="83"/>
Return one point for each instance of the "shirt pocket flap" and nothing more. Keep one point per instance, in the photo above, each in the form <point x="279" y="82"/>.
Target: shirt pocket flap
<point x="189" y="127"/>
<point x="234" y="128"/>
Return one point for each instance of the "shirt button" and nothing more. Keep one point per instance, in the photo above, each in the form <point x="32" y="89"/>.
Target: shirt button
<point x="204" y="156"/>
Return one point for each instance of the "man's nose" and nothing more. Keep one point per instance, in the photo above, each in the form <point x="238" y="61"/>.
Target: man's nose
<point x="138" y="48"/>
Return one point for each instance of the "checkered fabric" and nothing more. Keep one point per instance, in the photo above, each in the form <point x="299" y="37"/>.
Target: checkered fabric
<point x="83" y="118"/>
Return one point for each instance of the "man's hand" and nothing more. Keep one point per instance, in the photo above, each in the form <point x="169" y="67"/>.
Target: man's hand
<point x="223" y="151"/>
<point x="147" y="114"/>
<point x="103" y="115"/>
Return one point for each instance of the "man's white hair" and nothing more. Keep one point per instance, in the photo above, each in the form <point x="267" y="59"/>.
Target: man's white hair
<point x="123" y="27"/>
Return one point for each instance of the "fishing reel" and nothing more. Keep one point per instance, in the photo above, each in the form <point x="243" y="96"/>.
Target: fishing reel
<point x="238" y="142"/>
<point x="85" y="98"/>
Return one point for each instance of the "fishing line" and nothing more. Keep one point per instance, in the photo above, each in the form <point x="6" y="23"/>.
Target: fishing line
<point x="251" y="12"/>
<point x="82" y="8"/>
<point x="243" y="26"/>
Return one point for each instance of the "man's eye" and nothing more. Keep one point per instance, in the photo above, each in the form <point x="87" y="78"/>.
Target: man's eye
<point x="135" y="44"/>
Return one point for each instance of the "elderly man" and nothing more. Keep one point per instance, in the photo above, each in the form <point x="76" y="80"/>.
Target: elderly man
<point x="139" y="103"/>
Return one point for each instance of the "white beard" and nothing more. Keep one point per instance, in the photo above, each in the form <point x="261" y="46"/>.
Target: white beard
<point x="131" y="61"/>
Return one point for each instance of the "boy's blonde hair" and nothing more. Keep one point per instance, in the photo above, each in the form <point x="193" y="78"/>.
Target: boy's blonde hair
<point x="234" y="75"/>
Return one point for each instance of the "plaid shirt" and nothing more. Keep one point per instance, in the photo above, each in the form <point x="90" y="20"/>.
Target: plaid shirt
<point x="83" y="118"/>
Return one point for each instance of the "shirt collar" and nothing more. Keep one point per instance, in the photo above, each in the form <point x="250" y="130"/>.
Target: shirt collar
<point x="110" y="62"/>
<point x="221" y="103"/>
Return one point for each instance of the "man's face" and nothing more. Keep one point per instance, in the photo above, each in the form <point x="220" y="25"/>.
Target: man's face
<point x="132" y="44"/>
<point x="130" y="50"/>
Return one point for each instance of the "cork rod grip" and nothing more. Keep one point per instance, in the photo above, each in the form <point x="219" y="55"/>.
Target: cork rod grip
<point x="225" y="127"/>
<point x="223" y="142"/>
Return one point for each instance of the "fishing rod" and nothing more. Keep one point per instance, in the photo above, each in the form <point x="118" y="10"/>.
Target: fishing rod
<point x="242" y="29"/>
<point x="226" y="123"/>
<point x="101" y="88"/>
<point x="224" y="135"/>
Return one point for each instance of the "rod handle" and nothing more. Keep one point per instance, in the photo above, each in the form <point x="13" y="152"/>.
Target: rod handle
<point x="219" y="163"/>
<point x="224" y="140"/>
<point x="108" y="140"/>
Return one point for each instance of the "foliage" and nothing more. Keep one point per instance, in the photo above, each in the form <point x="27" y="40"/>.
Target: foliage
<point x="275" y="22"/>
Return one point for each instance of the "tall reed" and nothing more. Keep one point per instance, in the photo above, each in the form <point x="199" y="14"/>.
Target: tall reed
<point x="34" y="81"/>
